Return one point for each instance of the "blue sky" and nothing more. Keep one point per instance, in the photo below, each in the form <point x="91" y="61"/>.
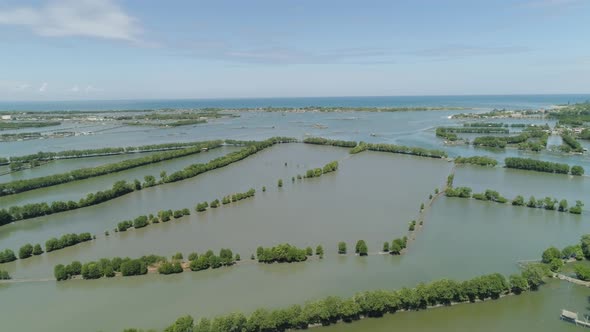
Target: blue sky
<point x="131" y="49"/>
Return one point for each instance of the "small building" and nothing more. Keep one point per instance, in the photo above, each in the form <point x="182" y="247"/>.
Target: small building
<point x="6" y="117"/>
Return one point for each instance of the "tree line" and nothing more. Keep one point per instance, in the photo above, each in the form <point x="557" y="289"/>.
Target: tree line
<point x="443" y="133"/>
<point x="570" y="144"/>
<point x="130" y="267"/>
<point x="47" y="156"/>
<point x="18" y="186"/>
<point x="121" y="188"/>
<point x="29" y="250"/>
<point x="143" y="220"/>
<point x="500" y="141"/>
<point x="374" y="303"/>
<point x="317" y="172"/>
<point x="362" y="146"/>
<point x="474" y="130"/>
<point x="325" y="141"/>
<point x="547" y="203"/>
<point x="27" y="124"/>
<point x="380" y="147"/>
<point x="211" y="261"/>
<point x="106" y="267"/>
<point x="422" y="152"/>
<point x="477" y="160"/>
<point x="542" y="166"/>
<point x="282" y="253"/>
<point x="493" y="124"/>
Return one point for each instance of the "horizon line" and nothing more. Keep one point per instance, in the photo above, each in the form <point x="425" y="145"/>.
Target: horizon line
<point x="294" y="97"/>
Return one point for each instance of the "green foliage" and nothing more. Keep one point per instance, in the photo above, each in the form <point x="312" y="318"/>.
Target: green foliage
<point x="534" y="274"/>
<point x="59" y="272"/>
<point x="407" y="150"/>
<point x="66" y="240"/>
<point x="562" y="206"/>
<point x="170" y="268"/>
<point x="309" y="251"/>
<point x="210" y="260"/>
<point x="193" y="256"/>
<point x="570" y="144"/>
<point x="182" y="324"/>
<point x="443" y="133"/>
<point x="25" y="251"/>
<point x="518" y="284"/>
<point x="280" y="183"/>
<point x="140" y="222"/>
<point x="385" y="246"/>
<point x="585" y="245"/>
<point x="574" y="251"/>
<point x="474" y="130"/>
<point x="518" y="201"/>
<point x="342" y="248"/>
<point x="201" y="263"/>
<point x="37" y="250"/>
<point x="202" y="206"/>
<point x="123" y="226"/>
<point x="532" y="203"/>
<point x="362" y="146"/>
<point x="319" y="250"/>
<point x="555" y="264"/>
<point x="361" y="248"/>
<point x="397" y="245"/>
<point x="325" y="141"/>
<point x="4" y="275"/>
<point x="317" y="172"/>
<point x="582" y="272"/>
<point x="577" y="170"/>
<point x="282" y="253"/>
<point x="133" y="267"/>
<point x="450" y="180"/>
<point x="463" y="192"/>
<point x="578" y="208"/>
<point x="550" y="254"/>
<point x="240" y="196"/>
<point x="536" y="165"/>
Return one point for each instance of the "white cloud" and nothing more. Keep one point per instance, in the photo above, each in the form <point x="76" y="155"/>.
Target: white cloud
<point x="75" y="88"/>
<point x="43" y="87"/>
<point x="23" y="86"/>
<point x="90" y="18"/>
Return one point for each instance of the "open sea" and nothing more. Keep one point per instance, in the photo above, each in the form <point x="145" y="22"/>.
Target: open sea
<point x="474" y="101"/>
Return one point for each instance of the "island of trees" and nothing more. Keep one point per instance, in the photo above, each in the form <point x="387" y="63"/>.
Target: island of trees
<point x="542" y="166"/>
<point x="283" y="253"/>
<point x="378" y="147"/>
<point x="477" y="160"/>
<point x="547" y="203"/>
